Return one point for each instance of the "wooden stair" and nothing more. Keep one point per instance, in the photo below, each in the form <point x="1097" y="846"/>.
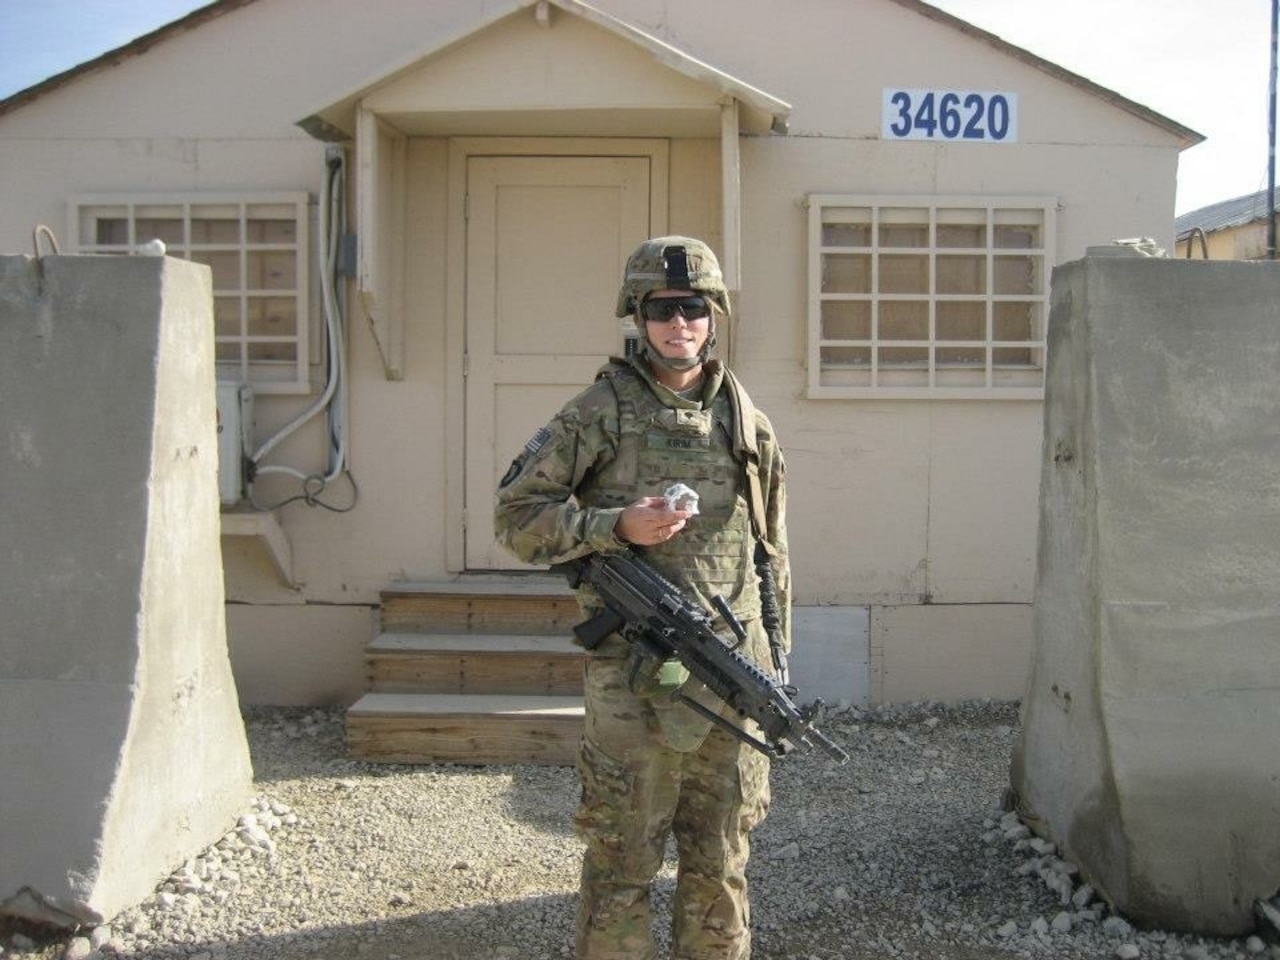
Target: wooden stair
<point x="475" y="671"/>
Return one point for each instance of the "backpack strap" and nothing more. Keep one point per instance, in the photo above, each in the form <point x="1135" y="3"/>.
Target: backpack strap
<point x="747" y="452"/>
<point x="612" y="373"/>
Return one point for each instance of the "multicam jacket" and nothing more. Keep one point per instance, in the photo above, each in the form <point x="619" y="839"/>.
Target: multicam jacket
<point x="625" y="437"/>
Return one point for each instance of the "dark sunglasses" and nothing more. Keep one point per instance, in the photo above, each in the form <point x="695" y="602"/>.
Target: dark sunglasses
<point x="664" y="309"/>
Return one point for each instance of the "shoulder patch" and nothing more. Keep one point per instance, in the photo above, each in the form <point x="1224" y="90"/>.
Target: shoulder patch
<point x="536" y="443"/>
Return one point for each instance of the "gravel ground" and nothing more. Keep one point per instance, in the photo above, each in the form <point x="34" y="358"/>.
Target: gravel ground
<point x="902" y="853"/>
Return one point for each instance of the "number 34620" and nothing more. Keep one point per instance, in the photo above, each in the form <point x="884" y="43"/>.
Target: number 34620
<point x="959" y="115"/>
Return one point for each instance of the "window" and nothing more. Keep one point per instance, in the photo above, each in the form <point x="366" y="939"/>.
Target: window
<point x="917" y="297"/>
<point x="255" y="245"/>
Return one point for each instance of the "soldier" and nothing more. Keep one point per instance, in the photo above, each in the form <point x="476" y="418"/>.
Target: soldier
<point x="594" y="479"/>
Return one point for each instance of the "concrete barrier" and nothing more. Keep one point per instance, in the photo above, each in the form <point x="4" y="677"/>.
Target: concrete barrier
<point x="1150" y="749"/>
<point x="121" y="745"/>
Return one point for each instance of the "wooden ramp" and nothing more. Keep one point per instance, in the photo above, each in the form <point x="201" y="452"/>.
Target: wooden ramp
<point x="474" y="671"/>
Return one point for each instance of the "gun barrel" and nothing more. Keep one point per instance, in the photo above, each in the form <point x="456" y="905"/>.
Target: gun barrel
<point x="829" y="746"/>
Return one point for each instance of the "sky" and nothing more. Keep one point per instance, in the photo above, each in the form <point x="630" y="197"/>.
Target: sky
<point x="1205" y="65"/>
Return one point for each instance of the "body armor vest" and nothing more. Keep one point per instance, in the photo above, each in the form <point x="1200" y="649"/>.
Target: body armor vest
<point x="661" y="443"/>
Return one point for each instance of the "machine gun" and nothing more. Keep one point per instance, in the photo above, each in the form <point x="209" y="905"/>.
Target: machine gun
<point x="651" y="613"/>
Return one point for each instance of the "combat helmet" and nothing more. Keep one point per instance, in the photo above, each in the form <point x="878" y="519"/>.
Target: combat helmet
<point x="677" y="263"/>
<point x="672" y="263"/>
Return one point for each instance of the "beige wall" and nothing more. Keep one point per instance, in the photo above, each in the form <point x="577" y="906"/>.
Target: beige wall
<point x="892" y="503"/>
<point x="939" y="652"/>
<point x="299" y="655"/>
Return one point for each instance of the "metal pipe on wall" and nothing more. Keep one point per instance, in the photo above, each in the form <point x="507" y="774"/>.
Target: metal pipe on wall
<point x="1271" y="138"/>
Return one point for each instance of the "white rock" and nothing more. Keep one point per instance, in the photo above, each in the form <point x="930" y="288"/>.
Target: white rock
<point x="1116" y="927"/>
<point x="253" y="834"/>
<point x="1007" y="930"/>
<point x="1062" y="923"/>
<point x="1057" y="882"/>
<point x="77" y="949"/>
<point x="1127" y="951"/>
<point x="1040" y="925"/>
<point x="1255" y="945"/>
<point x="1082" y="897"/>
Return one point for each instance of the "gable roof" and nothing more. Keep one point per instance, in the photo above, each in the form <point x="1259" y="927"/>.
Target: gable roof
<point x="1188" y="136"/>
<point x="218" y="8"/>
<point x="762" y="111"/>
<point x="111" y="58"/>
<point x="1235" y="212"/>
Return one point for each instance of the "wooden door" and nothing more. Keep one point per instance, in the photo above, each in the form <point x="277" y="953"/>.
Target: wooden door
<point x="547" y="237"/>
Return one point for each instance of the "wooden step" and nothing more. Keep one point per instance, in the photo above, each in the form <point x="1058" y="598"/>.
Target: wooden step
<point x="473" y="663"/>
<point x="540" y="605"/>
<point x="469" y="729"/>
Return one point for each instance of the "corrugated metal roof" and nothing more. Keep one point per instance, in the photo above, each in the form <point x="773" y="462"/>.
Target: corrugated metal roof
<point x="1223" y="214"/>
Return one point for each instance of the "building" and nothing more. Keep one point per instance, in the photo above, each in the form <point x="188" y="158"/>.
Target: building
<point x="1234" y="229"/>
<point x="889" y="188"/>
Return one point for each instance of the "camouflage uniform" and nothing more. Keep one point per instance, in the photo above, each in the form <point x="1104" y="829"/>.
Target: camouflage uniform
<point x="650" y="765"/>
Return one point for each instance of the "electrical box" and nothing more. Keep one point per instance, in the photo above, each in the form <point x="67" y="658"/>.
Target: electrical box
<point x="235" y="439"/>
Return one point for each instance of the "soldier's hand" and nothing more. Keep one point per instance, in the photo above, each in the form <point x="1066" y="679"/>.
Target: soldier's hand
<point x="648" y="521"/>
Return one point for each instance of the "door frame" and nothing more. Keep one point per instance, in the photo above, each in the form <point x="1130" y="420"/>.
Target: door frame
<point x="461" y="149"/>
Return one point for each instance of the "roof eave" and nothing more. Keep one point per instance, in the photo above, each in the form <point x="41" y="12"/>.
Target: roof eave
<point x="774" y="111"/>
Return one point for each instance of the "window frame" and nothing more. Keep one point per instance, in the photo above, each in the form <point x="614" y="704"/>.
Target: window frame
<point x="928" y="378"/>
<point x="288" y="376"/>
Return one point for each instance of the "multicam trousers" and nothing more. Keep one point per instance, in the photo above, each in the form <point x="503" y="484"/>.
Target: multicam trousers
<point x="637" y="789"/>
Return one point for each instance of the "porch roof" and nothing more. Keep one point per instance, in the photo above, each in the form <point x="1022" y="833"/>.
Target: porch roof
<point x="585" y="111"/>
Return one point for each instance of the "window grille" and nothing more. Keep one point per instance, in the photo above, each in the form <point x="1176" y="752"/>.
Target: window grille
<point x="255" y="246"/>
<point x="928" y="297"/>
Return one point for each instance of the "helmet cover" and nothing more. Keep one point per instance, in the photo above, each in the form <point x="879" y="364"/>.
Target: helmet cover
<point x="671" y="263"/>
